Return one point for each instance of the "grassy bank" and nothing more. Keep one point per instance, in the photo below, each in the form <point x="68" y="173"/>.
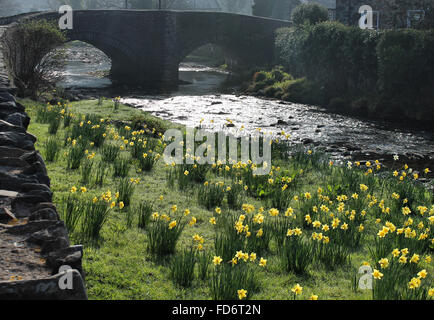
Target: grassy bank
<point x="331" y="214"/>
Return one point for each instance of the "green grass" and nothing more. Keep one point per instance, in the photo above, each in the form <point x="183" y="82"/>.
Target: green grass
<point x="120" y="267"/>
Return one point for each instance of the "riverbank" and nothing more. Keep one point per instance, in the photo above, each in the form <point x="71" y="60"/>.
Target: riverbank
<point x="121" y="266"/>
<point x="287" y="89"/>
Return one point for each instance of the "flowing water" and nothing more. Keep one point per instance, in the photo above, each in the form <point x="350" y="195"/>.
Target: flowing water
<point x="198" y="98"/>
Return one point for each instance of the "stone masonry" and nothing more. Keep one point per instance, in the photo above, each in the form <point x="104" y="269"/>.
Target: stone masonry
<point x="147" y="46"/>
<point x="34" y="242"/>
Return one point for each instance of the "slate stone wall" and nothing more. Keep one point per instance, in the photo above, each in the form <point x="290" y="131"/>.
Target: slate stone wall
<point x="29" y="221"/>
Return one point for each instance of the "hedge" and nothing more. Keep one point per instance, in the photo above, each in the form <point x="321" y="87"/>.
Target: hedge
<point x="392" y="68"/>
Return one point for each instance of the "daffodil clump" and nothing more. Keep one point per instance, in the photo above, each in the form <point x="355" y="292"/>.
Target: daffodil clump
<point x="239" y="272"/>
<point x="165" y="229"/>
<point x="85" y="214"/>
<point x="401" y="275"/>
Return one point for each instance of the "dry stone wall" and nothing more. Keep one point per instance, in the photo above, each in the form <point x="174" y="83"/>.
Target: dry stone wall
<point x="34" y="242"/>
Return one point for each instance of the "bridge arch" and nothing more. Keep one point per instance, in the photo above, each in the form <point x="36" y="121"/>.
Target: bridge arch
<point x="121" y="56"/>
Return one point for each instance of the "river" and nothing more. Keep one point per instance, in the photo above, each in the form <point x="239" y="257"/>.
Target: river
<point x="344" y="138"/>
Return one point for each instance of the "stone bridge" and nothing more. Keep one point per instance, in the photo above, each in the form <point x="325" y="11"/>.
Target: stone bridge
<point x="146" y="46"/>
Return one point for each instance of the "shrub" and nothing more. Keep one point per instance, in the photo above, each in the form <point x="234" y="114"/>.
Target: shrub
<point x="392" y="68"/>
<point x="406" y="66"/>
<point x="310" y="13"/>
<point x="138" y="121"/>
<point x="259" y="76"/>
<point x="25" y="47"/>
<point x="270" y="91"/>
<point x="303" y="91"/>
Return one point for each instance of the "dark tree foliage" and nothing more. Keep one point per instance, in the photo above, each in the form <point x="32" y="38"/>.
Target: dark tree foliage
<point x="310" y="13"/>
<point x="392" y="68"/>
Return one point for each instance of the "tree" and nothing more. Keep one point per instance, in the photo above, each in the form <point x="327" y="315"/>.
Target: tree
<point x="310" y="13"/>
<point x="26" y="49"/>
